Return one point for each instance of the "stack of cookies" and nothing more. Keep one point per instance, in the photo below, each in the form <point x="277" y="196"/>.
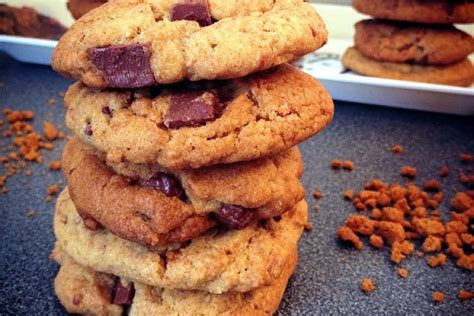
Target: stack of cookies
<point x="184" y="193"/>
<point x="413" y="40"/>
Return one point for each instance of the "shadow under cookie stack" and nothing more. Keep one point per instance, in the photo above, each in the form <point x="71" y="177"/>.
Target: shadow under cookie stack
<point x="414" y="40"/>
<point x="184" y="193"/>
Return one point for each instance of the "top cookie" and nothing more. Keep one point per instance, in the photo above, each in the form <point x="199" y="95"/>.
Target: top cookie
<point x="80" y="7"/>
<point x="422" y="11"/>
<point x="134" y="43"/>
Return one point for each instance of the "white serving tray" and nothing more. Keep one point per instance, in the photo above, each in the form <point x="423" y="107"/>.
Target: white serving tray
<point x="324" y="64"/>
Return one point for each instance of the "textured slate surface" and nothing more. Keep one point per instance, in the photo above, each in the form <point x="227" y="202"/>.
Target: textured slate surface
<point x="328" y="274"/>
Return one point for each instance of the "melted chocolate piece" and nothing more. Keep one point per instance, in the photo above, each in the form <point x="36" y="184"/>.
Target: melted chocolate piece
<point x="192" y="108"/>
<point x="106" y="110"/>
<point x="165" y="183"/>
<point x="124" y="66"/>
<point x="193" y="10"/>
<point x="234" y="216"/>
<point x="88" y="130"/>
<point x="123" y="295"/>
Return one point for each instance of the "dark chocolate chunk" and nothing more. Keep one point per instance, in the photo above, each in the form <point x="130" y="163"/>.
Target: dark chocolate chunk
<point x="192" y="108"/>
<point x="234" y="216"/>
<point x="124" y="66"/>
<point x="193" y="10"/>
<point x="165" y="183"/>
<point x="123" y="295"/>
<point x="88" y="130"/>
<point x="106" y="110"/>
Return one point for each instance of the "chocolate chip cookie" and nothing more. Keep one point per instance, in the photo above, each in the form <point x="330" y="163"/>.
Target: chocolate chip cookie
<point x="134" y="43"/>
<point x="217" y="262"/>
<point x="457" y="74"/>
<point x="217" y="122"/>
<point x="84" y="291"/>
<point x="406" y="42"/>
<point x="80" y="7"/>
<point x="153" y="206"/>
<point x="422" y="11"/>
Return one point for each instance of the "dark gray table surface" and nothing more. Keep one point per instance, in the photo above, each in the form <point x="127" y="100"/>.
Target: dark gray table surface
<point x="328" y="274"/>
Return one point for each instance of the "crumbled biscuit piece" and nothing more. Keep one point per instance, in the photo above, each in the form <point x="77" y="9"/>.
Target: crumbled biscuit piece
<point x="400" y="250"/>
<point x="30" y="213"/>
<point x="376" y="214"/>
<point x="346" y="234"/>
<point x="468" y="239"/>
<point x="420" y="212"/>
<point x="436" y="260"/>
<point x="466" y="158"/>
<point x="462" y="201"/>
<point x="53" y="189"/>
<point x="403" y="273"/>
<point x="432" y="244"/>
<point x="426" y="227"/>
<point x="392" y="232"/>
<point x="466" y="179"/>
<point x="367" y="285"/>
<point x="397" y="149"/>
<point x="376" y="241"/>
<point x="348" y="165"/>
<point x="466" y="262"/>
<point x="438" y="296"/>
<point x="317" y="195"/>
<point x="392" y="214"/>
<point x="3" y="159"/>
<point x="465" y="295"/>
<point x="375" y="185"/>
<point x="456" y="227"/>
<point x="361" y="224"/>
<point x="432" y="185"/>
<point x="408" y="171"/>
<point x="50" y="131"/>
<point x="55" y="165"/>
<point x="336" y="164"/>
<point x="443" y="172"/>
<point x="349" y="195"/>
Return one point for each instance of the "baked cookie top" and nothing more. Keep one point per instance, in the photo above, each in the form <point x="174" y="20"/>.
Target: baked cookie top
<point x="153" y="206"/>
<point x="457" y="74"/>
<point x="82" y="290"/>
<point x="422" y="11"/>
<point x="412" y="43"/>
<point x="217" y="262"/>
<point x="217" y="122"/>
<point x="80" y="7"/>
<point x="136" y="43"/>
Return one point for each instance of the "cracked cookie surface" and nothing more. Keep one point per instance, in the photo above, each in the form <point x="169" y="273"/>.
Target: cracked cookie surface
<point x="216" y="262"/>
<point x="263" y="188"/>
<point x="262" y="114"/>
<point x="84" y="291"/>
<point x="412" y="43"/>
<point x="422" y="11"/>
<point x="457" y="74"/>
<point x="134" y="43"/>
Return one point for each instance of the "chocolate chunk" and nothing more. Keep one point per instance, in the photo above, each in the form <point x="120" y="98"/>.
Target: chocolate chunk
<point x="106" y="110"/>
<point x="88" y="130"/>
<point x="192" y="108"/>
<point x="165" y="183"/>
<point x="124" y="66"/>
<point x="193" y="10"/>
<point x="234" y="216"/>
<point x="123" y="295"/>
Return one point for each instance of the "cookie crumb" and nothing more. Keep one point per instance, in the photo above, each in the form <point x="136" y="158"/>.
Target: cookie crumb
<point x="55" y="165"/>
<point x="53" y="189"/>
<point x="346" y="234"/>
<point x="398" y="149"/>
<point x="336" y="164"/>
<point x="408" y="171"/>
<point x="317" y="195"/>
<point x="432" y="185"/>
<point x="50" y="131"/>
<point x="30" y="213"/>
<point x="367" y="285"/>
<point x="403" y="273"/>
<point x="465" y="295"/>
<point x="376" y="241"/>
<point x="437" y="260"/>
<point x="466" y="158"/>
<point x="443" y="172"/>
<point x="348" y="165"/>
<point x="51" y="101"/>
<point x="438" y="296"/>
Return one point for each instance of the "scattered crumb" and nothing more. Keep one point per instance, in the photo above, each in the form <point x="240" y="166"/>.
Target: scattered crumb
<point x="348" y="165"/>
<point x="308" y="226"/>
<point x="50" y="131"/>
<point x="376" y="241"/>
<point x="53" y="189"/>
<point x="349" y="195"/>
<point x="437" y="260"/>
<point x="336" y="164"/>
<point x="317" y="195"/>
<point x="408" y="171"/>
<point x="432" y="185"/>
<point x="398" y="149"/>
<point x="51" y="101"/>
<point x="443" y="172"/>
<point x="465" y="295"/>
<point x="466" y="158"/>
<point x="55" y="165"/>
<point x="30" y="213"/>
<point x="367" y="285"/>
<point x="438" y="296"/>
<point x="403" y="273"/>
<point x="346" y="234"/>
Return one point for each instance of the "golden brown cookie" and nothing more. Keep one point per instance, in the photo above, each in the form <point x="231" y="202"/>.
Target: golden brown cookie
<point x="422" y="11"/>
<point x="84" y="291"/>
<point x="220" y="122"/>
<point x="216" y="262"/>
<point x="457" y="74"/>
<point x="80" y="7"/>
<point x="153" y="206"/>
<point x="405" y="42"/>
<point x="135" y="43"/>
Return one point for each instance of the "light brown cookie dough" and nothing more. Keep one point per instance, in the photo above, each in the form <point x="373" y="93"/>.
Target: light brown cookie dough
<point x="134" y="43"/>
<point x="81" y="290"/>
<point x="422" y="11"/>
<point x="405" y="42"/>
<point x="80" y="7"/>
<point x="179" y="206"/>
<point x="217" y="262"/>
<point x="262" y="115"/>
<point x="458" y="74"/>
